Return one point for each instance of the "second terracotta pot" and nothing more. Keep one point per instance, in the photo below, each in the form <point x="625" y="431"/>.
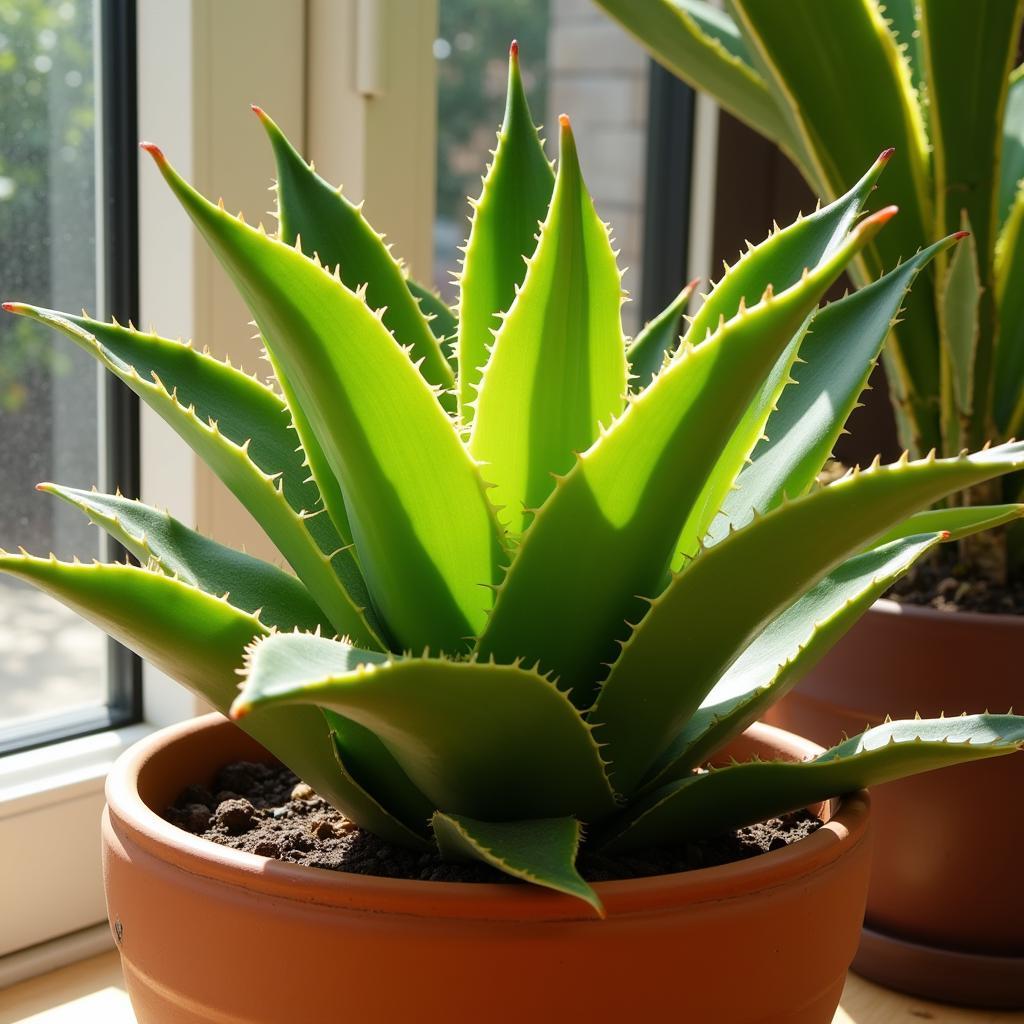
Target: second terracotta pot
<point x="945" y="913"/>
<point x="209" y="934"/>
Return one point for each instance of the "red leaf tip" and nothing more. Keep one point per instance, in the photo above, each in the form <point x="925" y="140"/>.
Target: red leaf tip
<point x="883" y="216"/>
<point x="154" y="151"/>
<point x="884" y="156"/>
<point x="8" y="307"/>
<point x="513" y="50"/>
<point x="944" y="535"/>
<point x="563" y="120"/>
<point x="961" y="234"/>
<point x="259" y="111"/>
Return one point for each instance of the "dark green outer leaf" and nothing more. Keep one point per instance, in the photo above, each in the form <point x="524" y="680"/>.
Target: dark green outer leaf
<point x="737" y="795"/>
<point x="1011" y="167"/>
<point x="1009" y="375"/>
<point x="541" y="851"/>
<point x="277" y="597"/>
<point x="336" y="230"/>
<point x="199" y="640"/>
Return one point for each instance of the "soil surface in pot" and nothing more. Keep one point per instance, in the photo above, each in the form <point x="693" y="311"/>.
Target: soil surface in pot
<point x="944" y="583"/>
<point x="265" y="809"/>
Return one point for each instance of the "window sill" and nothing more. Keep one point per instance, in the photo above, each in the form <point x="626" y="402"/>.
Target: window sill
<point x="94" y="990"/>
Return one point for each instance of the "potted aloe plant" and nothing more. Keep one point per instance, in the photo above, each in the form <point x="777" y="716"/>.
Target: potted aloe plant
<point x="830" y="84"/>
<point x="528" y="629"/>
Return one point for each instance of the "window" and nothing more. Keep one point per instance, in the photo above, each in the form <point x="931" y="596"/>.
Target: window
<point x="67" y="213"/>
<point x="574" y="60"/>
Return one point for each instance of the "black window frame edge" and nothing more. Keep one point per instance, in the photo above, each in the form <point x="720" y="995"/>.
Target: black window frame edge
<point x="119" y="199"/>
<point x="669" y="183"/>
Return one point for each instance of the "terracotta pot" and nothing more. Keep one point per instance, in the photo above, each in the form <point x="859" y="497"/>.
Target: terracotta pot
<point x="208" y="934"/>
<point x="945" y="915"/>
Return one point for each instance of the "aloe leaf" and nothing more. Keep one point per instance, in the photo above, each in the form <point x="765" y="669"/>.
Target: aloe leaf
<point x="499" y="742"/>
<point x="503" y="234"/>
<point x="557" y="370"/>
<point x="705" y="49"/>
<point x="647" y="352"/>
<point x="730" y="797"/>
<point x="969" y="53"/>
<point x="835" y="361"/>
<point x="442" y="321"/>
<point x="781" y="259"/>
<point x="157" y="539"/>
<point x="331" y="577"/>
<point x="1011" y="167"/>
<point x="646" y="701"/>
<point x="610" y="528"/>
<point x="426" y="535"/>
<point x="322" y="221"/>
<point x="1008" y="384"/>
<point x="199" y="640"/>
<point x="542" y="851"/>
<point x="960" y="316"/>
<point x="812" y="61"/>
<point x="959" y="521"/>
<point x="244" y="409"/>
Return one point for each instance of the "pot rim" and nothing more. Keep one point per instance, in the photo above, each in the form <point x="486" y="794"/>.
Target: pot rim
<point x="134" y="822"/>
<point x="994" y="620"/>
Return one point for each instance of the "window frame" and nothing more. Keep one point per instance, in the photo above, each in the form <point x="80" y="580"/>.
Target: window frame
<point x="198" y="70"/>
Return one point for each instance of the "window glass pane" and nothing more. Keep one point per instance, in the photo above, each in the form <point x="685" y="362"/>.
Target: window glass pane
<point x="50" y="393"/>
<point x="574" y="60"/>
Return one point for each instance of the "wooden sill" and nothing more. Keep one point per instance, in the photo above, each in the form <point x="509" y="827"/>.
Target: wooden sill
<point x="93" y="991"/>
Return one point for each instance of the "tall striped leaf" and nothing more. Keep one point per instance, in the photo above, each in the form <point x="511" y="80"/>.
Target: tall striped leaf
<point x="557" y="371"/>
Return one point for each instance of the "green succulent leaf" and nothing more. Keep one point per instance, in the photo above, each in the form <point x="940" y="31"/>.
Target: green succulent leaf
<point x="645" y="701"/>
<point x="503" y="235"/>
<point x="322" y="221"/>
<point x="557" y="371"/>
<point x="726" y="798"/>
<point x="245" y="410"/>
<point x="443" y="322"/>
<point x="1008" y="383"/>
<point x="499" y="742"/>
<point x="426" y="535"/>
<point x="610" y="529"/>
<point x="542" y="851"/>
<point x="1011" y="167"/>
<point x="960" y="315"/>
<point x="659" y="338"/>
<point x="331" y="577"/>
<point x="199" y="640"/>
<point x="783" y="257"/>
<point x="958" y="522"/>
<point x="786" y="650"/>
<point x="904" y="25"/>
<point x="158" y="540"/>
<point x="835" y="361"/>
<point x="704" y="47"/>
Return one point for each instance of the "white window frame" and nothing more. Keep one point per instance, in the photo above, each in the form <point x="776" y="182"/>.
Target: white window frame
<point x="352" y="81"/>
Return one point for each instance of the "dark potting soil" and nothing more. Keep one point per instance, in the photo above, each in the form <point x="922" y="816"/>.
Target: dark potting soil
<point x="265" y="809"/>
<point x="942" y="582"/>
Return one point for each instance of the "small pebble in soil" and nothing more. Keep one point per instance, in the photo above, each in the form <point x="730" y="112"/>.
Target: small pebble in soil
<point x="264" y="809"/>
